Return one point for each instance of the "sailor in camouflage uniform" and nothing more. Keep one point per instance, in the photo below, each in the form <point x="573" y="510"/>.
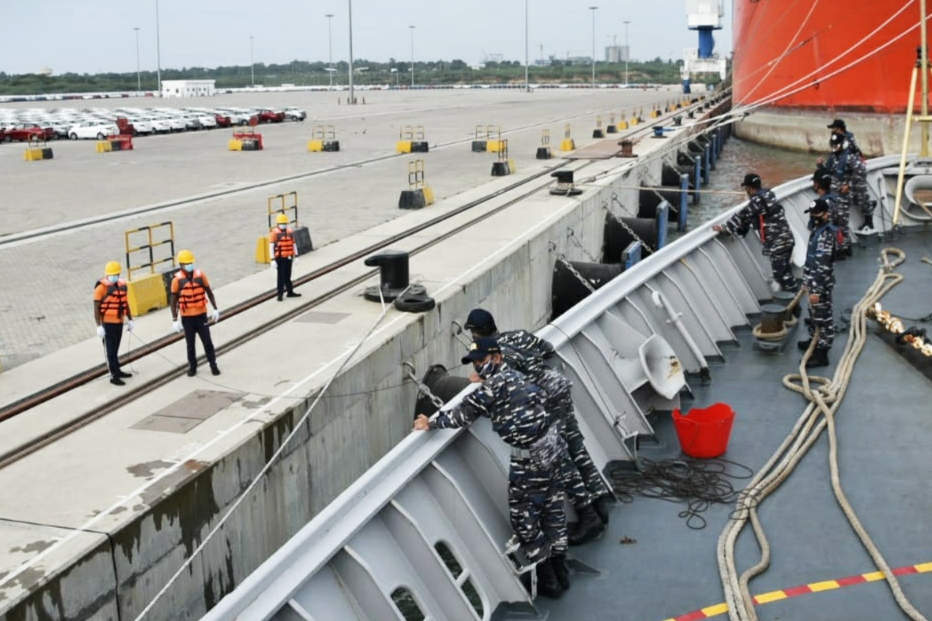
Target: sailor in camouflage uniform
<point x="765" y="215"/>
<point x="535" y="494"/>
<point x="819" y="280"/>
<point x="584" y="485"/>
<point x="849" y="183"/>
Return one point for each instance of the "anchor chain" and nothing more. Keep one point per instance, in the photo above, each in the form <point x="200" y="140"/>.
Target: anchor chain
<point x="569" y="266"/>
<point x="627" y="228"/>
<point x="422" y="387"/>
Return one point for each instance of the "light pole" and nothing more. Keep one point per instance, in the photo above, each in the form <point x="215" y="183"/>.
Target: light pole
<point x="138" y="75"/>
<point x="352" y="98"/>
<point x="412" y="55"/>
<point x="527" y="83"/>
<point x="330" y="38"/>
<point x="627" y="51"/>
<point x="158" y="50"/>
<point x="252" y="64"/>
<point x="593" y="9"/>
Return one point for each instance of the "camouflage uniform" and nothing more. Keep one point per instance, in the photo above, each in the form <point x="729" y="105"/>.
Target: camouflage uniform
<point x="844" y="168"/>
<point x="525" y="352"/>
<point x="764" y="214"/>
<point x="819" y="278"/>
<point x="535" y="495"/>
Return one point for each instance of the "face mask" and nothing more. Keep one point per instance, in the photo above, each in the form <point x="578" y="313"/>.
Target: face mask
<point x="188" y="268"/>
<point x="487" y="369"/>
<point x="282" y="226"/>
<point x="113" y="278"/>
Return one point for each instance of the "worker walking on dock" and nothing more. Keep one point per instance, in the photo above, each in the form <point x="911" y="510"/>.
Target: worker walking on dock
<point x="765" y="215"/>
<point x="535" y="493"/>
<point x="524" y="352"/>
<point x="283" y="251"/>
<point x="110" y="309"/>
<point x="819" y="280"/>
<point x="190" y="292"/>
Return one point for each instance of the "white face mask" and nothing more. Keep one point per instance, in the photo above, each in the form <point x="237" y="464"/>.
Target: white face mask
<point x="282" y="226"/>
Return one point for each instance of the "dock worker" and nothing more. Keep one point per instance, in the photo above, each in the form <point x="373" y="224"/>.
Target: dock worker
<point x="111" y="308"/>
<point x="524" y="352"/>
<point x="819" y="280"/>
<point x="765" y="215"/>
<point x="190" y="292"/>
<point x="284" y="251"/>
<point x="535" y="495"/>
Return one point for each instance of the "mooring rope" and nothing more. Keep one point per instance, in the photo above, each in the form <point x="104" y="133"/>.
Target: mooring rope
<point x="824" y="401"/>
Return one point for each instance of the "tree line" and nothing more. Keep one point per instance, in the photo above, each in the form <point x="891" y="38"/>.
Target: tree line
<point x="366" y="72"/>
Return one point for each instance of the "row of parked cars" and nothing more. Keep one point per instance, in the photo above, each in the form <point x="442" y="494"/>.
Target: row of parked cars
<point x="98" y="123"/>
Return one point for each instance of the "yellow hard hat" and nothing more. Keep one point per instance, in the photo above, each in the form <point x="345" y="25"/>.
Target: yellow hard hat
<point x="112" y="268"/>
<point x="185" y="257"/>
<point x="281" y="218"/>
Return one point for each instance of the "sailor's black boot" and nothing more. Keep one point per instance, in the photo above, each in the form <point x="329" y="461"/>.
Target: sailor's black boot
<point x="803" y="345"/>
<point x="587" y="528"/>
<point x="547" y="583"/>
<point x="868" y="223"/>
<point x="561" y="571"/>
<point x="819" y="358"/>
<point x="600" y="506"/>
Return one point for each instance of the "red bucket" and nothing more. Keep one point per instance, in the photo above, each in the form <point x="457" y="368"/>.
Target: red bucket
<point x="704" y="432"/>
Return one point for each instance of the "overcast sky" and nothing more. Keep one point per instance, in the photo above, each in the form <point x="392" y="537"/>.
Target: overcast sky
<point x="90" y="36"/>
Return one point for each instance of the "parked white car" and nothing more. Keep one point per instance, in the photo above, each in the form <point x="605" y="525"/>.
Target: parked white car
<point x="92" y="129"/>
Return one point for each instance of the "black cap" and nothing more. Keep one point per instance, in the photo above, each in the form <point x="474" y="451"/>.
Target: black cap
<point x="819" y="205"/>
<point x="839" y="124"/>
<point x="480" y="319"/>
<point x="751" y="180"/>
<point x="822" y="179"/>
<point x="480" y="348"/>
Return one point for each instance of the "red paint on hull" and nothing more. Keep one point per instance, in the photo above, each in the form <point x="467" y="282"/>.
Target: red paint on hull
<point x="796" y="53"/>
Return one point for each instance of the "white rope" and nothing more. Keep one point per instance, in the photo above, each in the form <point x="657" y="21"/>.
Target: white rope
<point x="298" y="426"/>
<point x="819" y="414"/>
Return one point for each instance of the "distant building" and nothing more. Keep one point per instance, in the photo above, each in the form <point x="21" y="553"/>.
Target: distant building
<point x="188" y="88"/>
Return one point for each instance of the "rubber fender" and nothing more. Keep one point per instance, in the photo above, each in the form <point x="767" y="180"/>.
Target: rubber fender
<point x="441" y="384"/>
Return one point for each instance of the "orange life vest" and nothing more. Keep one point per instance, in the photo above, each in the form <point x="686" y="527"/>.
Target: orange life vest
<point x="283" y="242"/>
<point x="113" y="304"/>
<point x="192" y="292"/>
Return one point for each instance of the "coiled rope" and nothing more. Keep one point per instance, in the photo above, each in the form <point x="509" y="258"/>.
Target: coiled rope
<point x="824" y="400"/>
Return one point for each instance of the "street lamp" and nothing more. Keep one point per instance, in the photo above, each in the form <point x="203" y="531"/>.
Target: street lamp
<point x="329" y="17"/>
<point x="527" y="84"/>
<point x="412" y="55"/>
<point x="593" y="9"/>
<point x="138" y="75"/>
<point x="627" y="51"/>
<point x="352" y="98"/>
<point x="252" y="63"/>
<point x="158" y="50"/>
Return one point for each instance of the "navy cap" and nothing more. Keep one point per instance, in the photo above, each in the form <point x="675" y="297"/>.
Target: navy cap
<point x="822" y="179"/>
<point x="480" y="319"/>
<point x="839" y="124"/>
<point x="751" y="180"/>
<point x="480" y="348"/>
<point x="819" y="205"/>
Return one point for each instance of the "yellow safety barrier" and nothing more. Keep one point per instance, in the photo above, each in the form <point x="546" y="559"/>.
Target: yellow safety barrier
<point x="149" y="292"/>
<point x="543" y="151"/>
<point x="323" y="138"/>
<point x="504" y="165"/>
<point x="483" y="136"/>
<point x="287" y="204"/>
<point x="37" y="150"/>
<point x="567" y="144"/>
<point x="597" y="132"/>
<point x="104" y="146"/>
<point x="418" y="194"/>
<point x="235" y="144"/>
<point x="411" y="139"/>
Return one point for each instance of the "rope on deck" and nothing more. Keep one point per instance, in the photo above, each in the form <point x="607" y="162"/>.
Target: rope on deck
<point x="824" y="398"/>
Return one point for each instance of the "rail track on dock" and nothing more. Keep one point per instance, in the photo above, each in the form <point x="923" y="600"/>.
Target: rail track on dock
<point x="512" y="193"/>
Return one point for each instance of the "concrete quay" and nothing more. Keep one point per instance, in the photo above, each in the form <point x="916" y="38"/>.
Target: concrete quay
<point x="103" y="519"/>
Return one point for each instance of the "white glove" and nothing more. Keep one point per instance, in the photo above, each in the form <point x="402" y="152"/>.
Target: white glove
<point x="215" y="315"/>
<point x="274" y="264"/>
<point x="100" y="331"/>
<point x="130" y="325"/>
<point x="176" y="326"/>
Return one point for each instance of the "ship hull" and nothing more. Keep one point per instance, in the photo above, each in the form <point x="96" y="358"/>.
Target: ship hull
<point x="798" y="66"/>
